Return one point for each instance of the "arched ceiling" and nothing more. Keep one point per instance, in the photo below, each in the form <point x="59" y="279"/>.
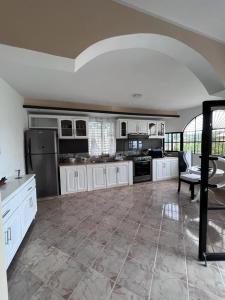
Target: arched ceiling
<point x="163" y="44"/>
<point x="109" y="79"/>
<point x="66" y="28"/>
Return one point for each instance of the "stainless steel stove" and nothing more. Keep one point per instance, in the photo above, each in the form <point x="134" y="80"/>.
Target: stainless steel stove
<point x="142" y="168"/>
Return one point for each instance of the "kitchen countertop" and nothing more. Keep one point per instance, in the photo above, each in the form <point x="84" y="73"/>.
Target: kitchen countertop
<point x="167" y="157"/>
<point x="92" y="163"/>
<point x="13" y="185"/>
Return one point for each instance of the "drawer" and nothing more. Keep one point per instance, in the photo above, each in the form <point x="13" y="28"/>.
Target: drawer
<point x="10" y="207"/>
<point x="13" y="203"/>
<point x="27" y="189"/>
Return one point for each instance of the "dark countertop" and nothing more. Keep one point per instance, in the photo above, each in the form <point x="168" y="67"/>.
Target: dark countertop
<point x="92" y="163"/>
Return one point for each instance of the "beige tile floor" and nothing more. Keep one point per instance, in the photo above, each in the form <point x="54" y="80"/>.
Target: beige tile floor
<point x="128" y="243"/>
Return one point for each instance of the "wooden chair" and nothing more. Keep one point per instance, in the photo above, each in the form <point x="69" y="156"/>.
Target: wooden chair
<point x="184" y="175"/>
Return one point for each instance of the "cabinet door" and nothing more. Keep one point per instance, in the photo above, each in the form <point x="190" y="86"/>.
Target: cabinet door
<point x="80" y="128"/>
<point x="12" y="235"/>
<point x="132" y="126"/>
<point x="174" y="167"/>
<point x="160" y="173"/>
<point x="111" y="175"/>
<point x="81" y="178"/>
<point x="152" y="128"/>
<point x="123" y="174"/>
<point x="167" y="169"/>
<point x="161" y="128"/>
<point x="99" y="177"/>
<point x="123" y="129"/>
<point x="28" y="211"/>
<point x="71" y="182"/>
<point x="142" y="126"/>
<point x="66" y="129"/>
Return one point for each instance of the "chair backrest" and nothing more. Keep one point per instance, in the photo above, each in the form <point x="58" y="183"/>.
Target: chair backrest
<point x="182" y="163"/>
<point x="220" y="180"/>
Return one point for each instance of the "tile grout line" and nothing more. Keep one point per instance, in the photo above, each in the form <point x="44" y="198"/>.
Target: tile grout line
<point x="185" y="258"/>
<point x="157" y="248"/>
<point x="127" y="254"/>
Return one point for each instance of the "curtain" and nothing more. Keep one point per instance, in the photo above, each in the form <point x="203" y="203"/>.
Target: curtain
<point x="101" y="136"/>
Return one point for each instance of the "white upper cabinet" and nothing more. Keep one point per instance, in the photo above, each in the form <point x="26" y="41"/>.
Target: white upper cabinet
<point x="81" y="128"/>
<point x="153" y="128"/>
<point x="66" y="128"/>
<point x="73" y="128"/>
<point x="43" y="121"/>
<point x="132" y="126"/>
<point x="121" y="129"/>
<point x="161" y="128"/>
<point x="142" y="126"/>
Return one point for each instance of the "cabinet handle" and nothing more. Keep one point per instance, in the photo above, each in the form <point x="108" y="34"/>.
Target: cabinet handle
<point x="31" y="202"/>
<point x="6" y="213"/>
<point x="6" y="238"/>
<point x="10" y="233"/>
<point x="30" y="188"/>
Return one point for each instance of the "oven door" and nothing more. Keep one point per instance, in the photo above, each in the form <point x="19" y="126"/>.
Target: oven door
<point x="142" y="171"/>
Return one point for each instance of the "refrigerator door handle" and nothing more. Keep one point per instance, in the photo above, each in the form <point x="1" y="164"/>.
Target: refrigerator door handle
<point x="29" y="153"/>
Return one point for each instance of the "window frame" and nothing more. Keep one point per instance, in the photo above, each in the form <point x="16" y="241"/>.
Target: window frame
<point x="172" y="142"/>
<point x="101" y="137"/>
<point x="214" y="141"/>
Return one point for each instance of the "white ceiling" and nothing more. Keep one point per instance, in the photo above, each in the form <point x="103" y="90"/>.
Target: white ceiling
<point x="203" y="16"/>
<point x="109" y="79"/>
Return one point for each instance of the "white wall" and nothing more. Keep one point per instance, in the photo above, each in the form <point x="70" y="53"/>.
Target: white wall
<point x="13" y="121"/>
<point x="186" y="115"/>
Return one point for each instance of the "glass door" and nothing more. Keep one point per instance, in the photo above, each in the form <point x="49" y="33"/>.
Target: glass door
<point x="66" y="129"/>
<point x="152" y="128"/>
<point x="81" y="128"/>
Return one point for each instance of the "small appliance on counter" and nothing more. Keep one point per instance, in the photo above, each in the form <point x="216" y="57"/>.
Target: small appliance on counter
<point x="156" y="153"/>
<point x="3" y="181"/>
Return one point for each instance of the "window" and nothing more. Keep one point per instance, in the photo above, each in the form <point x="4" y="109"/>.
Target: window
<point x="218" y="132"/>
<point x="101" y="137"/>
<point x="192" y="136"/>
<point x="173" y="141"/>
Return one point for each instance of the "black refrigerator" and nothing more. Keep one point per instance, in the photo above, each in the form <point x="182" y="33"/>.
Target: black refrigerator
<point x="41" y="155"/>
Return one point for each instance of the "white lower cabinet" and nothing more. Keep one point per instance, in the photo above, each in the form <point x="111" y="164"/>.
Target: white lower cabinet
<point x="111" y="175"/>
<point x="19" y="210"/>
<point x="165" y="168"/>
<point x="28" y="211"/>
<point x="95" y="176"/>
<point x="13" y="235"/>
<point x="73" y="179"/>
<point x="98" y="177"/>
<point x="123" y="174"/>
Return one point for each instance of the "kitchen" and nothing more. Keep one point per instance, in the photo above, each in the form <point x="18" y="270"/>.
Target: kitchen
<point x="112" y="150"/>
<point x="131" y="151"/>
